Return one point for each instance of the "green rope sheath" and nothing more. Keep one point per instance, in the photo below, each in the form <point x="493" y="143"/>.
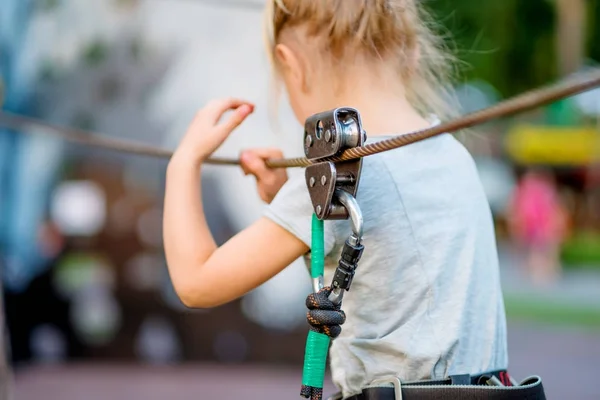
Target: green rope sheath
<point x="317" y="258"/>
<point x="315" y="359"/>
<point x="317" y="344"/>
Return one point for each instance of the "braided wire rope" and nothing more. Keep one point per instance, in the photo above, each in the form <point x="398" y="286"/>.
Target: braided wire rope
<point x="529" y="100"/>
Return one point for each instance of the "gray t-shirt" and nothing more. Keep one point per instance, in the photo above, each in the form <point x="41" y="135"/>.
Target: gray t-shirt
<point x="426" y="300"/>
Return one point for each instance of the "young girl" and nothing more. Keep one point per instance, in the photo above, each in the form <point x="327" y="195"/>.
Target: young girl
<point x="426" y="301"/>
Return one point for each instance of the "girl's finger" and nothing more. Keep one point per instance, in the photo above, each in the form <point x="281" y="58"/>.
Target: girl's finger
<point x="238" y="116"/>
<point x="216" y="108"/>
<point x="253" y="164"/>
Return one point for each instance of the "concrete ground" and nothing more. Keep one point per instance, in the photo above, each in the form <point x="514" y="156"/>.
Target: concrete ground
<point x="566" y="359"/>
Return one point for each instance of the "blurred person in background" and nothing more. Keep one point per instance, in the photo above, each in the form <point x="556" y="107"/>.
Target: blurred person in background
<point x="538" y="223"/>
<point x="28" y="166"/>
<point x="39" y="324"/>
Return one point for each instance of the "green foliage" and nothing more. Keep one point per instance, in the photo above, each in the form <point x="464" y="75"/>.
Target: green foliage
<point x="549" y="311"/>
<point x="84" y="120"/>
<point x="48" y="71"/>
<point x="509" y="43"/>
<point x="47" y="5"/>
<point x="95" y="52"/>
<point x="593" y="25"/>
<point x="582" y="251"/>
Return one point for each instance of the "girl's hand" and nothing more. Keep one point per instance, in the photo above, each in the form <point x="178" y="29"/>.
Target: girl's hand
<point x="269" y="180"/>
<point x="205" y="134"/>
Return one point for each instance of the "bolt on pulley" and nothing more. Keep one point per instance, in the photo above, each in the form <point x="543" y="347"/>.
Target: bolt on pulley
<point x="326" y="135"/>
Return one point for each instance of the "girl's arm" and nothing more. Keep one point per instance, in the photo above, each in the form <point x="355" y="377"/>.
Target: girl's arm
<point x="204" y="275"/>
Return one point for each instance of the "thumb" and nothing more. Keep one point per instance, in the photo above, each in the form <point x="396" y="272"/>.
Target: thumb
<point x="238" y="116"/>
<point x="252" y="164"/>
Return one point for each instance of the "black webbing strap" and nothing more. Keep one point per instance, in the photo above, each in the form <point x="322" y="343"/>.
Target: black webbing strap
<point x="529" y="389"/>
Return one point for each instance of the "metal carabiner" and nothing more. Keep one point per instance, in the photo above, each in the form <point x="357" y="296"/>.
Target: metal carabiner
<point x="317" y="283"/>
<point x="356" y="217"/>
<point x="356" y="220"/>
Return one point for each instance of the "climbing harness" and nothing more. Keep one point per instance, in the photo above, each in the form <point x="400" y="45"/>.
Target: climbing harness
<point x="460" y="387"/>
<point x="332" y="188"/>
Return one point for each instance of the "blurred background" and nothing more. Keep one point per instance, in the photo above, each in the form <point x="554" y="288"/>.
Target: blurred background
<point x="89" y="308"/>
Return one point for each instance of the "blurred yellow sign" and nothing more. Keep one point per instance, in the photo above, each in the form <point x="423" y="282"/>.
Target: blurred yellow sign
<point x="553" y="145"/>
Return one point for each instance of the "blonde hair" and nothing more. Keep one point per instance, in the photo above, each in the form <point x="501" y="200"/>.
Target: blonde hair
<point x="393" y="31"/>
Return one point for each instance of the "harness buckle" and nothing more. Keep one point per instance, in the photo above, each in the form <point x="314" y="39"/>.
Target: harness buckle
<point x="460" y="379"/>
<point x="327" y="135"/>
<point x="395" y="381"/>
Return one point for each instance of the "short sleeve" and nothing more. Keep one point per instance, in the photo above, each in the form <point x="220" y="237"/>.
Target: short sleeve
<point x="292" y="210"/>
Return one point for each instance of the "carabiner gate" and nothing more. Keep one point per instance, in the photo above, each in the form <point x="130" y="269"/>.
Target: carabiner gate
<point x="352" y="251"/>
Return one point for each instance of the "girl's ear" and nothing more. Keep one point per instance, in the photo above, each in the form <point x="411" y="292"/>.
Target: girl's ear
<point x="290" y="65"/>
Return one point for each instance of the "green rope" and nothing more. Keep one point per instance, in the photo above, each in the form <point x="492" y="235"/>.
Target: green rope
<point x="315" y="359"/>
<point x="317" y="344"/>
<point x="317" y="257"/>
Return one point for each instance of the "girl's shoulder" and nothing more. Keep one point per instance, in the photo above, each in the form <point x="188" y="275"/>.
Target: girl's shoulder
<point x="292" y="209"/>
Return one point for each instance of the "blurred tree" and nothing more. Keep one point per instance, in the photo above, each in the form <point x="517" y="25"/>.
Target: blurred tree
<point x="570" y="34"/>
<point x="570" y="50"/>
<point x="47" y="5"/>
<point x="593" y="31"/>
<point x="95" y="53"/>
<point x="508" y="43"/>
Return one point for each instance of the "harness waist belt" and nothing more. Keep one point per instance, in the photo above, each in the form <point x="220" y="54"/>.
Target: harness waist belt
<point x="460" y="387"/>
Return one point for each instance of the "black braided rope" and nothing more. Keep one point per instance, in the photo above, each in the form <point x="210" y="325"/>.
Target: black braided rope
<point x="323" y="316"/>
<point x="311" y="393"/>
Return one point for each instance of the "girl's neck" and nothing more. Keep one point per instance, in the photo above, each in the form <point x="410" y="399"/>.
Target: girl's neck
<point x="385" y="115"/>
<point x="381" y="102"/>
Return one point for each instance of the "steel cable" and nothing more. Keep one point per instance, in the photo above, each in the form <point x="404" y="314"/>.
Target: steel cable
<point x="526" y="101"/>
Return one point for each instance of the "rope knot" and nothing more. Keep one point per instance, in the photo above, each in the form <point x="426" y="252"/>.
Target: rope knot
<point x="323" y="315"/>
